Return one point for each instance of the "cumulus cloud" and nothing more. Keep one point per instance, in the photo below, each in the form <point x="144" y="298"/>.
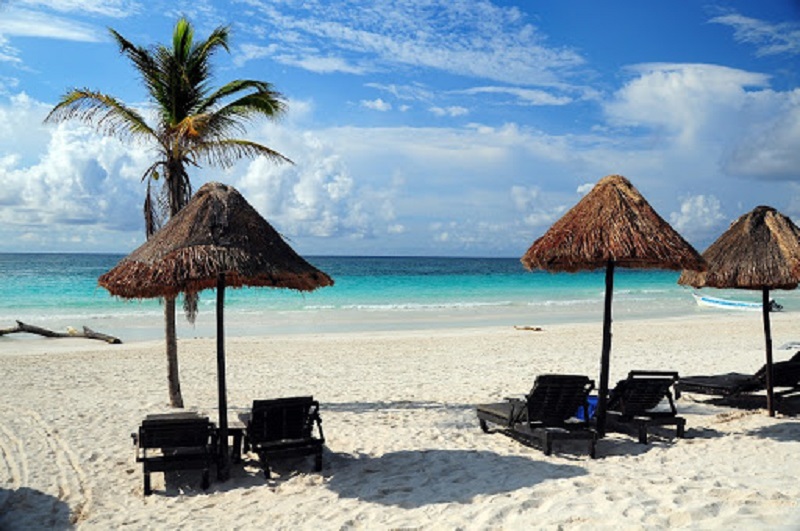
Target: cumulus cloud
<point x="726" y="113"/>
<point x="452" y="112"/>
<point x="699" y="217"/>
<point x="62" y="184"/>
<point x="317" y="196"/>
<point x="683" y="100"/>
<point x="377" y="105"/>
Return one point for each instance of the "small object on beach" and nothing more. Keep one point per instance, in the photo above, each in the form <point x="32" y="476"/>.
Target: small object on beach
<point x="87" y="333"/>
<point x="529" y="328"/>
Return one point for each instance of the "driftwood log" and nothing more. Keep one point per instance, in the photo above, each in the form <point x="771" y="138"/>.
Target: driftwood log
<point x="87" y="332"/>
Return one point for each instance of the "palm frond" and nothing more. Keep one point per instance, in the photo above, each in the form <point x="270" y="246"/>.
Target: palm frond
<point x="109" y="115"/>
<point x="263" y="89"/>
<point x="226" y="152"/>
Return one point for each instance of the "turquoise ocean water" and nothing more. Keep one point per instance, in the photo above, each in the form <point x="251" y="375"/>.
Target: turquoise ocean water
<point x="370" y="294"/>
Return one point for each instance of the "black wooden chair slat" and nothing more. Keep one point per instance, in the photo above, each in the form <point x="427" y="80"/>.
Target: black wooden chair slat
<point x="546" y="414"/>
<point x="181" y="442"/>
<point x="284" y="427"/>
<point x="635" y="401"/>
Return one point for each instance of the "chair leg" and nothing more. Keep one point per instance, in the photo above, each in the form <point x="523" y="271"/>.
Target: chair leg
<point x="147" y="488"/>
<point x="593" y="448"/>
<point x="643" y="433"/>
<point x="484" y="426"/>
<point x="265" y="464"/>
<point x="318" y="462"/>
<point x="206" y="479"/>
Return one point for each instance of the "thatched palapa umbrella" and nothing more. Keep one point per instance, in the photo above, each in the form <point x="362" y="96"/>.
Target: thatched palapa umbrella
<point x="612" y="226"/>
<point x="761" y="251"/>
<point x="216" y="240"/>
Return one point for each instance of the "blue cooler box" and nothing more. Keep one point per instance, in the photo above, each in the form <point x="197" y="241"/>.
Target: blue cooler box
<point x="592" y="399"/>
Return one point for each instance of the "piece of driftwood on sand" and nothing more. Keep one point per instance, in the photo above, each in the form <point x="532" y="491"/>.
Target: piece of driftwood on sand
<point x="87" y="332"/>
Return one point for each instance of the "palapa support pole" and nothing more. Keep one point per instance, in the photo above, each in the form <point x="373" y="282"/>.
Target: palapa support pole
<point x="768" y="336"/>
<point x="605" y="357"/>
<point x="223" y="470"/>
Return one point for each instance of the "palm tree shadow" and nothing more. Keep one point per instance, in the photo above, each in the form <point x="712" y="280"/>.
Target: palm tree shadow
<point x="26" y="508"/>
<point x="415" y="478"/>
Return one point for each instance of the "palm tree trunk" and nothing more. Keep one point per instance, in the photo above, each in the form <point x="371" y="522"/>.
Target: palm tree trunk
<point x="173" y="376"/>
<point x="178" y="191"/>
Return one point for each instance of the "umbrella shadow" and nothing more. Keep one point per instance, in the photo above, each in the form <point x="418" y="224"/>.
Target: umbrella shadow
<point x="781" y="432"/>
<point x="368" y="407"/>
<point x="416" y="478"/>
<point x="26" y="508"/>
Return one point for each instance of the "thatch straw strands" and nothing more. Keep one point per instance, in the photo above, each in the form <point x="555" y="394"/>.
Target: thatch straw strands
<point x="760" y="250"/>
<point x="613" y="223"/>
<point x="216" y="240"/>
<point x="217" y="232"/>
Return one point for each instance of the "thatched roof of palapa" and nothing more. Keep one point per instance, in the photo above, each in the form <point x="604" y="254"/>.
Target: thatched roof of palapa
<point x="760" y="250"/>
<point x="218" y="231"/>
<point x="615" y="223"/>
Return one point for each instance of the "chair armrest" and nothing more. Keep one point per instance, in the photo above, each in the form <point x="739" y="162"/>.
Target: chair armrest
<point x="672" y="374"/>
<point x="136" y="449"/>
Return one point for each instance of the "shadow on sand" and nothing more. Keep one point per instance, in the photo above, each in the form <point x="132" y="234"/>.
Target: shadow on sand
<point x="415" y="478"/>
<point x="25" y="508"/>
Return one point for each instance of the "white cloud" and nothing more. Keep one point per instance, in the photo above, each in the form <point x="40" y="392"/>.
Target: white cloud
<point x="26" y="23"/>
<point x="110" y="8"/>
<point x="523" y="196"/>
<point x="8" y="54"/>
<point x="411" y="92"/>
<point x="319" y="64"/>
<point x="63" y="183"/>
<point x="769" y="39"/>
<point x="730" y="116"/>
<point x="768" y="148"/>
<point x="523" y="95"/>
<point x="682" y="99"/>
<point x="453" y="111"/>
<point x="376" y="105"/>
<point x="466" y="37"/>
<point x="585" y="188"/>
<point x="252" y="52"/>
<point x="700" y="216"/>
<point x="317" y="196"/>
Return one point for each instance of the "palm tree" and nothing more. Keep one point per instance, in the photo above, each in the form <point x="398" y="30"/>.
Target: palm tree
<point x="193" y="126"/>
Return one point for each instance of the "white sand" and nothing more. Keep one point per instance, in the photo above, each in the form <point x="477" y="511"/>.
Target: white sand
<point x="403" y="445"/>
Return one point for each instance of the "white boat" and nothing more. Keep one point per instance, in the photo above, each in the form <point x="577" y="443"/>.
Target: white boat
<point x="716" y="302"/>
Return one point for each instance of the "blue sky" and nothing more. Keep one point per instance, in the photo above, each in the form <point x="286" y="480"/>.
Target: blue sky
<point x="420" y="127"/>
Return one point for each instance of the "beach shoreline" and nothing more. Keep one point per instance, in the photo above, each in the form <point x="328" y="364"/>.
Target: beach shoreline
<point x="403" y="445"/>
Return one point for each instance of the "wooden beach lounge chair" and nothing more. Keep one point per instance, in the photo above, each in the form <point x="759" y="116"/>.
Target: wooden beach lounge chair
<point x="175" y="441"/>
<point x="634" y="402"/>
<point x="284" y="427"/>
<point x="546" y="414"/>
<point x="786" y="375"/>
